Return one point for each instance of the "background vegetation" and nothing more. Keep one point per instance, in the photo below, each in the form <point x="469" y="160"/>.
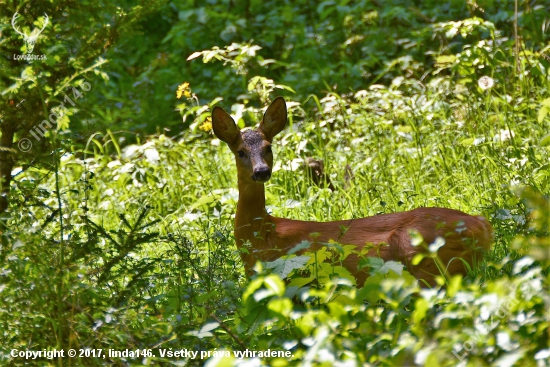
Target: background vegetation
<point x="116" y="224"/>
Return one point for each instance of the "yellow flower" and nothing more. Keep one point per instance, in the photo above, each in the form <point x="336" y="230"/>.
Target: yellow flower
<point x="183" y="89"/>
<point x="207" y="124"/>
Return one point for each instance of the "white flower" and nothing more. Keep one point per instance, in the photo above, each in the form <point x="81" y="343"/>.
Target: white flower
<point x="485" y="82"/>
<point x="152" y="155"/>
<point x="504" y="135"/>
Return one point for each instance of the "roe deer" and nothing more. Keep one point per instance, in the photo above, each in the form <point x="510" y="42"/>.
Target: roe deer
<point x="269" y="237"/>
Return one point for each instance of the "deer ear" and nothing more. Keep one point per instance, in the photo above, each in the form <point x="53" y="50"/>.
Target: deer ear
<point x="274" y="118"/>
<point x="224" y="126"/>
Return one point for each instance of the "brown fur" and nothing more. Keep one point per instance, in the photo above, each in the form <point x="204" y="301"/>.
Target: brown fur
<point x="270" y="237"/>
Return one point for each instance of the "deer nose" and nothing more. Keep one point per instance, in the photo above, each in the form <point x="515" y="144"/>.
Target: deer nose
<point x="261" y="174"/>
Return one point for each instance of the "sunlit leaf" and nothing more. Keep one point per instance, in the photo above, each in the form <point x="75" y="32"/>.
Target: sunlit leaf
<point x="283" y="266"/>
<point x="205" y="330"/>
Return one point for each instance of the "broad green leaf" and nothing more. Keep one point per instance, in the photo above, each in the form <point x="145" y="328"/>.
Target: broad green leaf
<point x="326" y="270"/>
<point x="543" y="112"/>
<point x="284" y="265"/>
<point x="281" y="306"/>
<point x="254" y="285"/>
<point x="305" y="244"/>
<point x="394" y="266"/>
<point x="300" y="282"/>
<point x="318" y="256"/>
<point x="275" y="284"/>
<point x="371" y="289"/>
<point x="373" y="263"/>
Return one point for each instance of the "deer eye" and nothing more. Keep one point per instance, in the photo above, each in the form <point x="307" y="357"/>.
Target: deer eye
<point x="268" y="149"/>
<point x="240" y="153"/>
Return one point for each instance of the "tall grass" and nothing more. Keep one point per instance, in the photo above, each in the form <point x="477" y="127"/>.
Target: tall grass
<point x="144" y="235"/>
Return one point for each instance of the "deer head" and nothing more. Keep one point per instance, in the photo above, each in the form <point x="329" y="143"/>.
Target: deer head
<point x="30" y="39"/>
<point x="252" y="148"/>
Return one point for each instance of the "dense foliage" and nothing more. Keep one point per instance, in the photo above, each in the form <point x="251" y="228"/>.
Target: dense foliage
<point x="116" y="224"/>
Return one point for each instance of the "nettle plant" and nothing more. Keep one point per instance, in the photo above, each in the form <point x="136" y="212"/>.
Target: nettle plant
<point x="316" y="268"/>
<point x="391" y="320"/>
<point x="495" y="323"/>
<point x="310" y="305"/>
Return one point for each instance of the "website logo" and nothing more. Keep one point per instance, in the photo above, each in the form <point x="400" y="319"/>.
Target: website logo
<point x="30" y="39"/>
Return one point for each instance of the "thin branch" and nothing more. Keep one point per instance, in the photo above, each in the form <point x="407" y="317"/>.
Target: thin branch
<point x="62" y="88"/>
<point x="229" y="331"/>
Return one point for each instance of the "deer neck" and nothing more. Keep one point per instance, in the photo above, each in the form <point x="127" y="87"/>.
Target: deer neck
<point x="251" y="219"/>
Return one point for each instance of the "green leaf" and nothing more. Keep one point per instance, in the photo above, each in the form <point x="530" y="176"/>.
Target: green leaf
<point x="283" y="266"/>
<point x="394" y="266"/>
<point x="204" y="331"/>
<point x="348" y="250"/>
<point x="337" y="310"/>
<point x="467" y="142"/>
<point x="300" y="282"/>
<point x="318" y="256"/>
<point x="545" y="141"/>
<point x="275" y="284"/>
<point x="194" y="55"/>
<point x="544" y="110"/>
<point x="254" y="285"/>
<point x="328" y="271"/>
<point x="445" y="60"/>
<point x="454" y="285"/>
<point x="203" y="200"/>
<point x="285" y="87"/>
<point x="542" y="114"/>
<point x="374" y="263"/>
<point x="417" y="259"/>
<point x="163" y="328"/>
<point x="305" y="244"/>
<point x="421" y="306"/>
<point x="205" y="297"/>
<point x="451" y="32"/>
<point x="335" y="245"/>
<point x="262" y="294"/>
<point x="281" y="306"/>
<point x="371" y="289"/>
